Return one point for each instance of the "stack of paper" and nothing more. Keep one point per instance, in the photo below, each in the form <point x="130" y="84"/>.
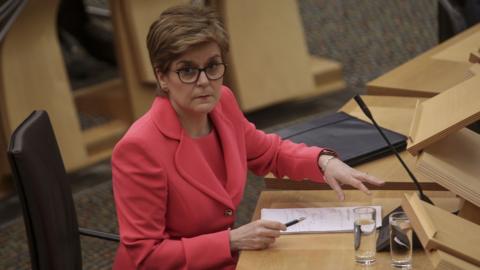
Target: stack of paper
<point x="318" y="220"/>
<point x="454" y="163"/>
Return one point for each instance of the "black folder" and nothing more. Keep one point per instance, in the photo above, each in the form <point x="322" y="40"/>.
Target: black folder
<point x="356" y="141"/>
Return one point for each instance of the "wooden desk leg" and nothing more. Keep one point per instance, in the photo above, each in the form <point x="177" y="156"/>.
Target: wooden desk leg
<point x="470" y="212"/>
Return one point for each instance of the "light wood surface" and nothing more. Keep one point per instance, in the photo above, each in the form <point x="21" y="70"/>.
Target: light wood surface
<point x="444" y="114"/>
<point x="140" y="95"/>
<point x="33" y="76"/>
<point x="470" y="212"/>
<point x="330" y="250"/>
<point x="438" y="229"/>
<point x="432" y="72"/>
<point x="108" y="99"/>
<point x="460" y="50"/>
<point x="394" y="113"/>
<point x="327" y="75"/>
<point x="138" y="16"/>
<point x="454" y="163"/>
<point x="443" y="261"/>
<point x="265" y="67"/>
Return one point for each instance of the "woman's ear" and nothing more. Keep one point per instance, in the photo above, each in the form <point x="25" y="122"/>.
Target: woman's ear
<point x="161" y="78"/>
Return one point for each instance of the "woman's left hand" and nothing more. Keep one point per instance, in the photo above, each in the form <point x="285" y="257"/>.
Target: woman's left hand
<point x="338" y="173"/>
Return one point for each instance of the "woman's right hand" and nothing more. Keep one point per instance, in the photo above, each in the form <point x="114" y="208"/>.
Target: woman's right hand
<point x="259" y="234"/>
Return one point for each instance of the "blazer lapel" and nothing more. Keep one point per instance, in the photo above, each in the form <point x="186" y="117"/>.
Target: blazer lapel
<point x="188" y="160"/>
<point x="193" y="168"/>
<point x="232" y="145"/>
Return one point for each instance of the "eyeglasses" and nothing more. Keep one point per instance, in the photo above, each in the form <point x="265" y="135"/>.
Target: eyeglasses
<point x="190" y="75"/>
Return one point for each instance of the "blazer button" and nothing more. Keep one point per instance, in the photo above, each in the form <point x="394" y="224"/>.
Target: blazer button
<point x="228" y="212"/>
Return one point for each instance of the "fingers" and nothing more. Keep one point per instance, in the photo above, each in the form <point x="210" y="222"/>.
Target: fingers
<point x="360" y="186"/>
<point x="270" y="228"/>
<point x="273" y="225"/>
<point x="258" y="243"/>
<point x="341" y="173"/>
<point x="266" y="232"/>
<point x="336" y="187"/>
<point x="353" y="180"/>
<point x="371" y="179"/>
<point x="261" y="242"/>
<point x="259" y="234"/>
<point x="255" y="235"/>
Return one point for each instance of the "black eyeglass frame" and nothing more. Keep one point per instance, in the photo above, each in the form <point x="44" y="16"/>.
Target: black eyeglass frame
<point x="204" y="70"/>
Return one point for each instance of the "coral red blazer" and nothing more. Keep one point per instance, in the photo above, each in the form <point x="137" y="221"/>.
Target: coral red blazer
<point x="172" y="211"/>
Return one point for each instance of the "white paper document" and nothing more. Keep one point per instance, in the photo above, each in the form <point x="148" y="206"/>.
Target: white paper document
<point x="318" y="220"/>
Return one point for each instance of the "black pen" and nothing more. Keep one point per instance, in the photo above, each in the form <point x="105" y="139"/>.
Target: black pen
<point x="295" y="221"/>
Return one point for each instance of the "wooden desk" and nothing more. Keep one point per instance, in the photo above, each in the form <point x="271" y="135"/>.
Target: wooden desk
<point x="432" y="72"/>
<point x="394" y="113"/>
<point x="332" y="250"/>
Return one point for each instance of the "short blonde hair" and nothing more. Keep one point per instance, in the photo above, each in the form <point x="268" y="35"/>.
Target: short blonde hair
<point x="180" y="28"/>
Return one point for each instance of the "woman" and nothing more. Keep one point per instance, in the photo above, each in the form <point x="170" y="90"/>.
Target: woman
<point x="180" y="171"/>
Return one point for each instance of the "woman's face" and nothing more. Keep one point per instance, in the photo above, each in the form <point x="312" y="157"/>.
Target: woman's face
<point x="199" y="97"/>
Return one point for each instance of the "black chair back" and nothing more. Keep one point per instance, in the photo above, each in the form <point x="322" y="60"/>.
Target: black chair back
<point x="45" y="194"/>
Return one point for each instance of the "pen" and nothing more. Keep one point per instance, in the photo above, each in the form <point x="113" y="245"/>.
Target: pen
<point x="295" y="221"/>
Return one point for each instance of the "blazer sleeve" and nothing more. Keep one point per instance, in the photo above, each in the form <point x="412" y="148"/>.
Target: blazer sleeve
<point x="269" y="153"/>
<point x="140" y="192"/>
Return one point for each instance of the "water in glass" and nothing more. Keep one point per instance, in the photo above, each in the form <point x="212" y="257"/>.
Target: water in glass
<point x="400" y="241"/>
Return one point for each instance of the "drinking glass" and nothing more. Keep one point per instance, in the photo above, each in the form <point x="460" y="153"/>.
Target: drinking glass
<point x="400" y="240"/>
<point x="364" y="234"/>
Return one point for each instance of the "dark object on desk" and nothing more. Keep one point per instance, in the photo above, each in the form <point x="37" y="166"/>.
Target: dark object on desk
<point x="46" y="198"/>
<point x="355" y="140"/>
<point x="295" y="221"/>
<point x="383" y="240"/>
<point x="400" y="243"/>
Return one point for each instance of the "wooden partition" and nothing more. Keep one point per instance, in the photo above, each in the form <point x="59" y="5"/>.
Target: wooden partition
<point x="269" y="60"/>
<point x="131" y="21"/>
<point x="138" y="15"/>
<point x="33" y="77"/>
<point x="269" y="63"/>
